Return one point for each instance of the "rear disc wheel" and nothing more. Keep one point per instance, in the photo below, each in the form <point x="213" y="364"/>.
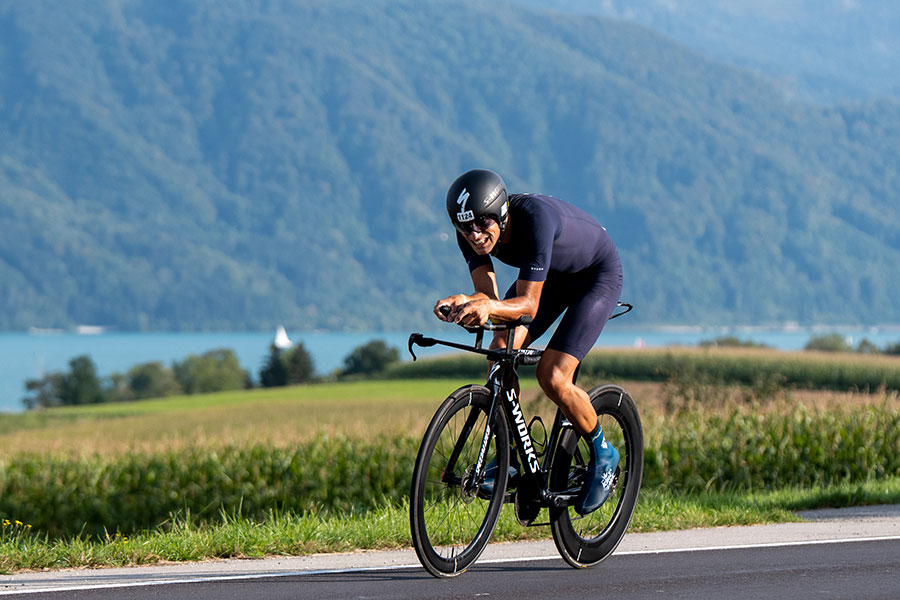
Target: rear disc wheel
<point x="586" y="540"/>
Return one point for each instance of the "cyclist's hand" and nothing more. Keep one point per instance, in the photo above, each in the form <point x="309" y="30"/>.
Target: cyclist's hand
<point x="452" y="303"/>
<point x="474" y="313"/>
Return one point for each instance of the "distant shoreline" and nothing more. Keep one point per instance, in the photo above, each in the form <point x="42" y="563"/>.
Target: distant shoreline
<point x="28" y="356"/>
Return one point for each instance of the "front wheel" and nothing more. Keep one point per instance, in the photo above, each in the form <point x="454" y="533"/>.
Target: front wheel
<point x="452" y="514"/>
<point x="586" y="540"/>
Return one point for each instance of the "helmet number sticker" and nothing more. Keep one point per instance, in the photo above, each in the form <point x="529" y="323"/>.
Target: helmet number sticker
<point x="464" y="215"/>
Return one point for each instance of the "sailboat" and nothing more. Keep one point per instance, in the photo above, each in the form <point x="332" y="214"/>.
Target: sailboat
<point x="282" y="341"/>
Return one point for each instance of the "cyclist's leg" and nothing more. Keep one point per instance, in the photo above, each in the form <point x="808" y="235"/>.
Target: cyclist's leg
<point x="589" y="301"/>
<point x="554" y="374"/>
<point x="548" y="311"/>
<point x="576" y="334"/>
<point x="550" y="306"/>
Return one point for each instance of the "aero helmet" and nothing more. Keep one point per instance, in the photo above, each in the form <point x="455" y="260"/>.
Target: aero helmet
<point x="474" y="195"/>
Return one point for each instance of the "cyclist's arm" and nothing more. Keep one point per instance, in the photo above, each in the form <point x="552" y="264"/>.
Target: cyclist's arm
<point x="477" y="310"/>
<point x="485" y="282"/>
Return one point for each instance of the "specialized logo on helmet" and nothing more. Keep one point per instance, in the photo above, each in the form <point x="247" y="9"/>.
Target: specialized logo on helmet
<point x="464" y="215"/>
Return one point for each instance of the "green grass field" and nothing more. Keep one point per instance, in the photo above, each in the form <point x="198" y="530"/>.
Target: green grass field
<point x="277" y="416"/>
<point x="388" y="528"/>
<point x="326" y="467"/>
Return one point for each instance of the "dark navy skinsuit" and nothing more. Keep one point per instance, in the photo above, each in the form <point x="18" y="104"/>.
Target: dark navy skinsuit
<point x="560" y="244"/>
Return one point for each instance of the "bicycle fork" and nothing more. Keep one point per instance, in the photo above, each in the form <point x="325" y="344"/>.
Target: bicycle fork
<point x="448" y="474"/>
<point x="497" y="390"/>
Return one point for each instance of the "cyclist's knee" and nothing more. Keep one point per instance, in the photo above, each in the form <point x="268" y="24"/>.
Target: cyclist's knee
<point x="553" y="379"/>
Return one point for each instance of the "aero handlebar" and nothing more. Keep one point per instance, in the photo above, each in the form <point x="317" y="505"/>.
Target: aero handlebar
<point x="527" y="356"/>
<point x="490" y="325"/>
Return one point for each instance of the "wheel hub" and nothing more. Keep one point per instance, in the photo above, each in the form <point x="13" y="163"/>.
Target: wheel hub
<point x="468" y="489"/>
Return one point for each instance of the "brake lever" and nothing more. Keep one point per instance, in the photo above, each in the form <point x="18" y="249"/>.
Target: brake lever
<point x="417" y="339"/>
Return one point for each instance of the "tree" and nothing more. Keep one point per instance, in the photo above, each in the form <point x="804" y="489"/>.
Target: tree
<point x="213" y="371"/>
<point x="152" y="380"/>
<point x="867" y="347"/>
<point x="831" y="342"/>
<point x="298" y="364"/>
<point x="288" y="367"/>
<point x="371" y="358"/>
<point x="81" y="385"/>
<point x="44" y="392"/>
<point x="273" y="373"/>
<point x="118" y="388"/>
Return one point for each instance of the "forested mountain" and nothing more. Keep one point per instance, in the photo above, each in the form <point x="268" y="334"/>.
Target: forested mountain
<point x="227" y="165"/>
<point x="825" y="51"/>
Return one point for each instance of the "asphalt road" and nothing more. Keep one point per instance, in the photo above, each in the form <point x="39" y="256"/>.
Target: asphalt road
<point x="842" y="554"/>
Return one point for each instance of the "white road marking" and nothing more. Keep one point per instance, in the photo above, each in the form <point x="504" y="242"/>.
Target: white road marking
<point x="253" y="576"/>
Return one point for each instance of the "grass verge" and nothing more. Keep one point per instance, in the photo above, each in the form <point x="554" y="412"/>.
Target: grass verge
<point x="388" y="527"/>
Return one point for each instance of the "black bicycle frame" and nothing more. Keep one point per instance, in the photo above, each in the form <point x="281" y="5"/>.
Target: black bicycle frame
<point x="535" y="470"/>
<point x="503" y="383"/>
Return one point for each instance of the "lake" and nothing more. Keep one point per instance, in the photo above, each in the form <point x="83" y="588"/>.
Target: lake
<point x="28" y="356"/>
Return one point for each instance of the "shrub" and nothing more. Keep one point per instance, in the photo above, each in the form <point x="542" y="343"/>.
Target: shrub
<point x="213" y="371"/>
<point x="79" y="386"/>
<point x="731" y="342"/>
<point x="43" y="392"/>
<point x="152" y="380"/>
<point x="831" y="342"/>
<point x="370" y="359"/>
<point x="867" y="347"/>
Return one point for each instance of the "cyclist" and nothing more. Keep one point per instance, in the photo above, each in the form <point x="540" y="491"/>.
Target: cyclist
<point x="567" y="264"/>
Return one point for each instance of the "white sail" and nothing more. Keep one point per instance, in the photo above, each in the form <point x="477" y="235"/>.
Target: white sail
<point x="282" y="341"/>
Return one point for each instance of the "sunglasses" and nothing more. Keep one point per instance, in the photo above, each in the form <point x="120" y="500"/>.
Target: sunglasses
<point x="479" y="223"/>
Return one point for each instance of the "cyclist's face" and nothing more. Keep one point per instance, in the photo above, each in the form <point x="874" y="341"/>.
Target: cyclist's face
<point x="482" y="234"/>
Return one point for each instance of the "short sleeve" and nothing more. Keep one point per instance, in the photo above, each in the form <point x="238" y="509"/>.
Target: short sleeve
<point x="537" y="247"/>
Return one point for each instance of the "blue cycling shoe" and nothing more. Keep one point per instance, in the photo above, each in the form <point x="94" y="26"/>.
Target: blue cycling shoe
<point x="486" y="489"/>
<point x="601" y="474"/>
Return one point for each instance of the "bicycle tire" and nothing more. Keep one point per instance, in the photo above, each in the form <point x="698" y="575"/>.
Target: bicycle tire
<point x="450" y="519"/>
<point x="584" y="541"/>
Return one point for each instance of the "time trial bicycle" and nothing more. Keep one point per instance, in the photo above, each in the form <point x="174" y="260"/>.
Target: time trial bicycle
<point x="458" y="487"/>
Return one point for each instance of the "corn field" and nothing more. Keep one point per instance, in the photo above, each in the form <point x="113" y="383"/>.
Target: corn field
<point x="808" y="370"/>
<point x="697" y="449"/>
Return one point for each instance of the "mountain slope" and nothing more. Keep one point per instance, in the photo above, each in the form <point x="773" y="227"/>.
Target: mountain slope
<point x="220" y="165"/>
<point x="831" y="51"/>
